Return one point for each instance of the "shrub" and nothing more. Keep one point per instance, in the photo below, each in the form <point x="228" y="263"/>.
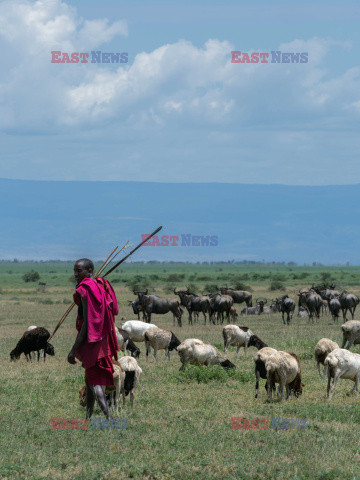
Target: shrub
<point x="175" y="277"/>
<point x="206" y="374"/>
<point x="31" y="276"/>
<point x="66" y="301"/>
<point x="276" y="285"/>
<point x="210" y="288"/>
<point x="242" y="286"/>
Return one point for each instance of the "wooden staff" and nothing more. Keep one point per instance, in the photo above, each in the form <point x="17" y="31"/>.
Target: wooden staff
<point x="73" y="304"/>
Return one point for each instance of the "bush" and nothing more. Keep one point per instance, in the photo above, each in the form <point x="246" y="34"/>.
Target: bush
<point x="66" y="301"/>
<point x="216" y="373"/>
<point x="175" y="277"/>
<point x="210" y="288"/>
<point x="276" y="285"/>
<point x="242" y="286"/>
<point x="31" y="276"/>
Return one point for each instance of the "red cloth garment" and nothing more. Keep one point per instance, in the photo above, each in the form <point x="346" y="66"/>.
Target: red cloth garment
<point x="102" y="305"/>
<point x="101" y="373"/>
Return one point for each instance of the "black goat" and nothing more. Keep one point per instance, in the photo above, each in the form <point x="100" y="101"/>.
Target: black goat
<point x="33" y="341"/>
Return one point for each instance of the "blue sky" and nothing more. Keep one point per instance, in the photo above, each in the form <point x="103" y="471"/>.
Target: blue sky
<point x="179" y="111"/>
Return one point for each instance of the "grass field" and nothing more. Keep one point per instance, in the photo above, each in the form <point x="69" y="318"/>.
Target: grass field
<point x="180" y="426"/>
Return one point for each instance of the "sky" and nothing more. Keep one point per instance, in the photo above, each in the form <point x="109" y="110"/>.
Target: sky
<point x="179" y="110"/>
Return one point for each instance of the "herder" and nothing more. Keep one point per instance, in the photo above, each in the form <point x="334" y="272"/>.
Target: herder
<point x="96" y="342"/>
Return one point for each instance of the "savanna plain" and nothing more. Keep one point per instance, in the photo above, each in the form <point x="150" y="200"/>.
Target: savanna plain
<point x="180" y="426"/>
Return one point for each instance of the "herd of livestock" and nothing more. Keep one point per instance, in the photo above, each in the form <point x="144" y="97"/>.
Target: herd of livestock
<point x="276" y="367"/>
<point x="214" y="306"/>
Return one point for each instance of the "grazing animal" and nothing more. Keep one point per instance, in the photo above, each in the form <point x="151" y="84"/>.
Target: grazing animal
<point x="153" y="304"/>
<point x="284" y="368"/>
<point x="348" y="301"/>
<point x="33" y="341"/>
<point x="334" y="307"/>
<point x="326" y="292"/>
<point x="197" y="352"/>
<point x="258" y="310"/>
<point x="341" y="363"/>
<point x="286" y="305"/>
<point x="351" y="333"/>
<point x="220" y="304"/>
<point x="125" y="343"/>
<point x="312" y="302"/>
<point x="241" y="337"/>
<point x="322" y="349"/>
<point x="239" y="296"/>
<point x="160" y="339"/>
<point x="260" y="370"/>
<point x="137" y="308"/>
<point x="130" y="378"/>
<point x="136" y="329"/>
<point x="194" y="304"/>
<point x="233" y="315"/>
<point x="302" y="313"/>
<point x="33" y="354"/>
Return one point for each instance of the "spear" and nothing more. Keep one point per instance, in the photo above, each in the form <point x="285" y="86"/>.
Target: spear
<point x="106" y="263"/>
<point x="132" y="251"/>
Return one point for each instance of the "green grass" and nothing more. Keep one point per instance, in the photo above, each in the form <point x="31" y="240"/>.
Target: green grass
<point x="180" y="426"/>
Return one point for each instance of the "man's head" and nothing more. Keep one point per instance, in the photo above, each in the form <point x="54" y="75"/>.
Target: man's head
<point x="83" y="268"/>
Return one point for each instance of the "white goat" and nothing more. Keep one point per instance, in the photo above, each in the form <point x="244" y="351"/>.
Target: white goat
<point x="136" y="329"/>
<point x="283" y="368"/>
<point x="197" y="352"/>
<point x="160" y="339"/>
<point x="235" y="335"/>
<point x="351" y="333"/>
<point x="260" y="370"/>
<point x="130" y="377"/>
<point x="322" y="349"/>
<point x="341" y="363"/>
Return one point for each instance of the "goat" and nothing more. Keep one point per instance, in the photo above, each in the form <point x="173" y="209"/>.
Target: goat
<point x="241" y="337"/>
<point x="125" y="343"/>
<point x="33" y="341"/>
<point x="260" y="370"/>
<point x="341" y="363"/>
<point x="322" y="349"/>
<point x="160" y="339"/>
<point x="283" y="368"/>
<point x="136" y="329"/>
<point x="351" y="333"/>
<point x="197" y="352"/>
<point x="130" y="378"/>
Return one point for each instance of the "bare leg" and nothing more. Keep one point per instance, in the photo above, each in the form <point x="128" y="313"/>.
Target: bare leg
<point x="90" y="400"/>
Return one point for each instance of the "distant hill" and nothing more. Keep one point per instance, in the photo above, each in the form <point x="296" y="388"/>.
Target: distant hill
<point x="64" y="220"/>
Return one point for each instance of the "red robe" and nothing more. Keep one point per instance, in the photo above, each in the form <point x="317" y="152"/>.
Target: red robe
<point x="101" y="344"/>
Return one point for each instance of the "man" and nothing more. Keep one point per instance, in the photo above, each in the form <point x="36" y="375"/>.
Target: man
<point x="96" y="342"/>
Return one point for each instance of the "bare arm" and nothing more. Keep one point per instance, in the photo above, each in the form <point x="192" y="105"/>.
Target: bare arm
<point x="82" y="334"/>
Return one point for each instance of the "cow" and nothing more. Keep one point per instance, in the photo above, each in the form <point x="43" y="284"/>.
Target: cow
<point x="286" y="305"/>
<point x="348" y="301"/>
<point x="154" y="304"/>
<point x="194" y="304"/>
<point x="239" y="296"/>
